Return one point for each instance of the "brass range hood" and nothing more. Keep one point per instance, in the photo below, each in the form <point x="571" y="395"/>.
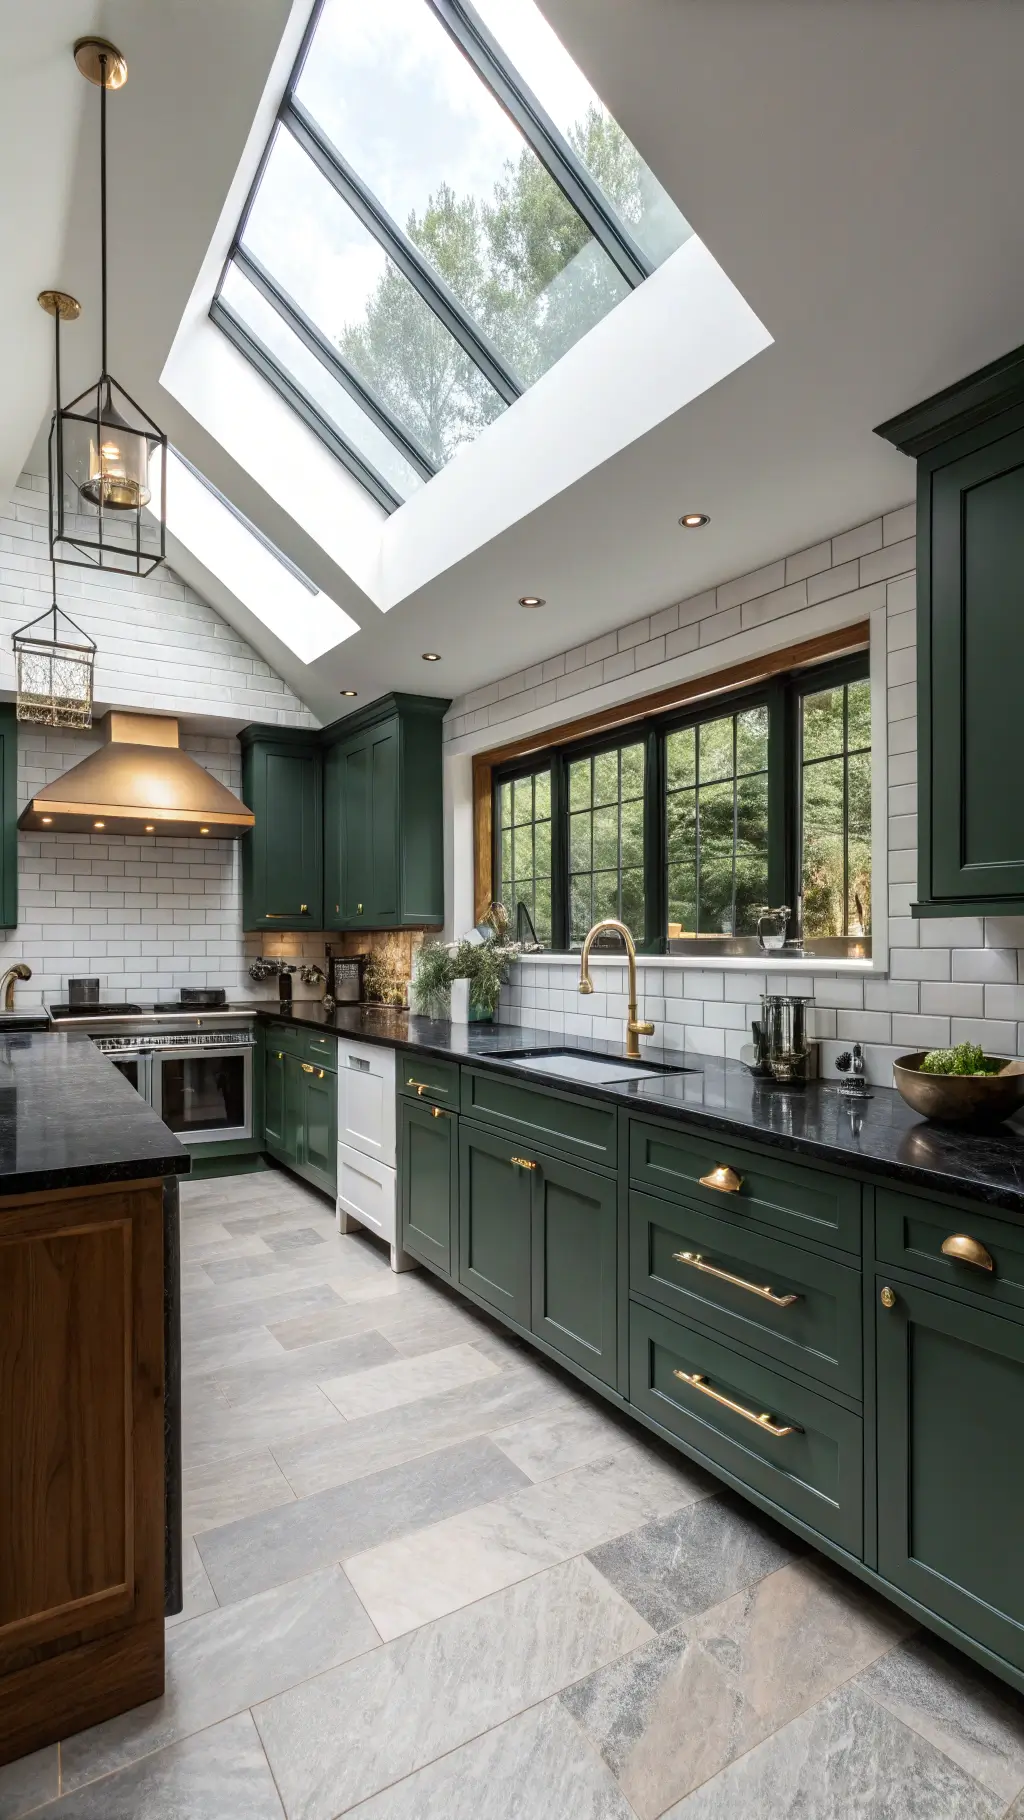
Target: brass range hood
<point x="139" y="782"/>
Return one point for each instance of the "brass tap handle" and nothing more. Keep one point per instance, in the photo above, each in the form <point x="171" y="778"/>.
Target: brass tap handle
<point x="767" y="1294"/>
<point x="522" y="1162"/>
<point x="764" y="1421"/>
<point x="966" y="1250"/>
<point x="723" y="1178"/>
<point x="640" y="1029"/>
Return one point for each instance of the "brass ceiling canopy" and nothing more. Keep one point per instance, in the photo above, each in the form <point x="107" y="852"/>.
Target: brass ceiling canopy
<point x="139" y="782"/>
<point x="101" y="62"/>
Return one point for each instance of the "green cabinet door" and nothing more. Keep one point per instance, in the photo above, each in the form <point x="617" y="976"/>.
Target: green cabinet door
<point x="574" y="1264"/>
<point x="383" y="832"/>
<point x="282" y="856"/>
<point x="951" y="1461"/>
<point x="294" y="1112"/>
<point x="8" y="818"/>
<point x="367" y="778"/>
<point x="319" y="1126"/>
<point x="428" y="1164"/>
<point x="495" y="1218"/>
<point x="274" y="1100"/>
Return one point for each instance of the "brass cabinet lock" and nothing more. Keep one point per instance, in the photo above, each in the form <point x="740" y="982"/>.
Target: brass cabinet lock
<point x="888" y="1297"/>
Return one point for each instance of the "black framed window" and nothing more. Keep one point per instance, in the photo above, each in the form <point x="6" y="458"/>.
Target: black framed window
<point x="687" y="825"/>
<point x="443" y="209"/>
<point x="835" y="808"/>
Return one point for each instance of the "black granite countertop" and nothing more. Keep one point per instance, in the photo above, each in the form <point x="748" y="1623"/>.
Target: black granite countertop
<point x="68" y="1118"/>
<point x="883" y="1138"/>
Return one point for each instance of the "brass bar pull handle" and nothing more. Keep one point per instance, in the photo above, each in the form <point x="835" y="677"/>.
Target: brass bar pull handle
<point x="967" y="1251"/>
<point x="522" y="1162"/>
<point x="765" y="1422"/>
<point x="696" y="1262"/>
<point x="307" y="1068"/>
<point x="423" y="1087"/>
<point x="724" y="1178"/>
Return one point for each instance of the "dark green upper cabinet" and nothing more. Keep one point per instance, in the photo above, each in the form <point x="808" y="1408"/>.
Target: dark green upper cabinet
<point x="969" y="445"/>
<point x="383" y="828"/>
<point x="282" y="856"/>
<point x="8" y="818"/>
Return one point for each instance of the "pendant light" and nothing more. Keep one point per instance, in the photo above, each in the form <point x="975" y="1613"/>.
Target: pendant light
<point x="108" y="459"/>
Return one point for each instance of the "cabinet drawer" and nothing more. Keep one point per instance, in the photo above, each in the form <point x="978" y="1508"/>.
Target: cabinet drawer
<point x="288" y="1039"/>
<point x="366" y="1192"/>
<point x="911" y="1230"/>
<point x="423" y="1078"/>
<point x="322" y="1049"/>
<point x="814" y="1469"/>
<point x="801" y="1309"/>
<point x="559" y="1121"/>
<point x="771" y="1190"/>
<point x="366" y="1100"/>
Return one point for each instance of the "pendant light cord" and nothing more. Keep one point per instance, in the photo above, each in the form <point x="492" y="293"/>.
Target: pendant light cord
<point x="103" y="208"/>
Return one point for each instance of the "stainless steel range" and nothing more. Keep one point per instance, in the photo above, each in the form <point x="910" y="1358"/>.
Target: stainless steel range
<point x="193" y="1066"/>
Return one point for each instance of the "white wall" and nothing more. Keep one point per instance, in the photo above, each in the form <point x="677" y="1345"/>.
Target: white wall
<point x="145" y="916"/>
<point x="944" y="979"/>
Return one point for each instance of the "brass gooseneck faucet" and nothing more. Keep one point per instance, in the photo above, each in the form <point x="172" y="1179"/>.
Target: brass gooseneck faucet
<point x="20" y="971"/>
<point x="634" y="1029"/>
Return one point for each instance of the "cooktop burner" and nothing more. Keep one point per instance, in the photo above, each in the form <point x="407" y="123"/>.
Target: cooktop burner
<point x="98" y="1010"/>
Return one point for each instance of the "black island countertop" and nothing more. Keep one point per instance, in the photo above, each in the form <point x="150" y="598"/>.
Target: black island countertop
<point x="69" y="1118"/>
<point x="883" y="1137"/>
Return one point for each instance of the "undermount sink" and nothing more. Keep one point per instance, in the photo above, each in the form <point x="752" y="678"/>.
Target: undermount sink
<point x="597" y="1070"/>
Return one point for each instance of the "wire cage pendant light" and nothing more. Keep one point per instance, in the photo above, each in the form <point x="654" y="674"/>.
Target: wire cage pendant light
<point x="108" y="459"/>
<point x="54" y="668"/>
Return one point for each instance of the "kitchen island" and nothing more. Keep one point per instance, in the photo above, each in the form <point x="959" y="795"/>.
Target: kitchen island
<point x="89" y="1404"/>
<point x="820" y="1303"/>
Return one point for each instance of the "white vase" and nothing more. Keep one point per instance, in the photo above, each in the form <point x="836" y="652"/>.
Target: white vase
<point x="460" y="1002"/>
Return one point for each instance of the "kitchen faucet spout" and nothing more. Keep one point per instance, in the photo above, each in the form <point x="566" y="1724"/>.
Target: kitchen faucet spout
<point x="634" y="1028"/>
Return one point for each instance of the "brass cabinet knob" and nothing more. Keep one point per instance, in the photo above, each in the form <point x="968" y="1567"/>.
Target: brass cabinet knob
<point x="966" y="1250"/>
<point x="723" y="1178"/>
<point x="303" y="909"/>
<point x="359" y="909"/>
<point x="888" y="1297"/>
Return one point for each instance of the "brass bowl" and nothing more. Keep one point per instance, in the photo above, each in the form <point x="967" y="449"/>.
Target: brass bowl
<point x="959" y="1099"/>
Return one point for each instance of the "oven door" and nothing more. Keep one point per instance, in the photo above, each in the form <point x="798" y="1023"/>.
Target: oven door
<point x="136" y="1065"/>
<point x="204" y="1095"/>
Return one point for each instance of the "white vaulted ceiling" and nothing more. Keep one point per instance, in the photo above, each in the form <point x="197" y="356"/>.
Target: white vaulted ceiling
<point x="852" y="167"/>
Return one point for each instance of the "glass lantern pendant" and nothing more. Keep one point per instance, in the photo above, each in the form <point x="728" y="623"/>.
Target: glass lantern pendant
<point x="107" y="457"/>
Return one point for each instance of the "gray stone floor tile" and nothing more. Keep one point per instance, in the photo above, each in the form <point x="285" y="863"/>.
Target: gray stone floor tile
<point x="676" y="1712"/>
<point x="384" y="1387"/>
<point x="235" y="1487"/>
<point x="373" y="1442"/>
<point x="225" y="1661"/>
<point x="846" y="1759"/>
<point x="244" y="1385"/>
<point x="963" y="1711"/>
<point x="247" y="1557"/>
<point x="260" y="1311"/>
<point x="222" y="1431"/>
<point x="534" y="1767"/>
<point x="298" y="1238"/>
<point x="220" y="1774"/>
<point x="340" y="1738"/>
<point x="199" y="1595"/>
<point x="26" y="1784"/>
<point x="693" y="1559"/>
<point x="547" y="1445"/>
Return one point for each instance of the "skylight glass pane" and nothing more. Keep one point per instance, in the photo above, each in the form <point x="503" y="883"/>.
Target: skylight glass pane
<point x="318" y="250"/>
<point x="406" y="109"/>
<point x="563" y="91"/>
<point x="348" y="418"/>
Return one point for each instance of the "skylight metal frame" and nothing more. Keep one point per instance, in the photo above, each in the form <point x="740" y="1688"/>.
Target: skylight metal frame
<point x="460" y="20"/>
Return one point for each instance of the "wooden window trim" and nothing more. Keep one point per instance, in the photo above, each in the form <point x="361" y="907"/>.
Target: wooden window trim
<point x="843" y="642"/>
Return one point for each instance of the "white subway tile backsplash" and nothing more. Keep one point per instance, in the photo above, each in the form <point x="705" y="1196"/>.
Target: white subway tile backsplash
<point x="995" y="1036"/>
<point x="919" y="963"/>
<point x="920" y="1032"/>
<point x="857" y="542"/>
<point x="998" y="965"/>
<point x="953" y="998"/>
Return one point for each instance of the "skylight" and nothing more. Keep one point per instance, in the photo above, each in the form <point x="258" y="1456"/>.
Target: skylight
<point x="444" y="208"/>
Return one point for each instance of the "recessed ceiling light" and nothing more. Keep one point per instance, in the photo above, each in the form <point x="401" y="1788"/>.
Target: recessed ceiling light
<point x="692" y="521"/>
<point x="532" y="600"/>
<point x="431" y="657"/>
<point x="347" y="691"/>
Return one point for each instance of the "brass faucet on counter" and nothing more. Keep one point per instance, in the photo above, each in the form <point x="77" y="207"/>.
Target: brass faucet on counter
<point x="634" y="1029"/>
<point x="20" y="971"/>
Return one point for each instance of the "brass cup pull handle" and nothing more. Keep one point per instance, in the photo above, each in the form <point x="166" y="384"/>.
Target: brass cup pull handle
<point x="307" y="1068"/>
<point x="522" y="1162"/>
<point x="423" y="1087"/>
<point x="438" y="1112"/>
<point x="766" y="1422"/>
<point x="966" y="1250"/>
<point x="723" y="1178"/>
<point x="696" y="1262"/>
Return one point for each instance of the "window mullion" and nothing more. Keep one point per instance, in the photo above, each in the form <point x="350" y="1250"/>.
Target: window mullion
<point x="559" y="853"/>
<point x="399" y="248"/>
<point x="655" y="853"/>
<point x="783" y="882"/>
<point x="539" y="130"/>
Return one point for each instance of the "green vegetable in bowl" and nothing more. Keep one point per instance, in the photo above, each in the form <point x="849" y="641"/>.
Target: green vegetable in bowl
<point x="963" y="1058"/>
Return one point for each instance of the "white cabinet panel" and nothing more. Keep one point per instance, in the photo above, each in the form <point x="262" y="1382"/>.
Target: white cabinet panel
<point x="366" y="1100"/>
<point x="367" y="1197"/>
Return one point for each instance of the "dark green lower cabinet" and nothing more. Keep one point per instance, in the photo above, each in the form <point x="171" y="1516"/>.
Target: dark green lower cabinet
<point x="428" y="1177"/>
<point x="951" y="1462"/>
<point x="273" y="1102"/>
<point x="319" y="1156"/>
<point x="495" y="1214"/>
<point x="574" y="1264"/>
<point x="300" y="1116"/>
